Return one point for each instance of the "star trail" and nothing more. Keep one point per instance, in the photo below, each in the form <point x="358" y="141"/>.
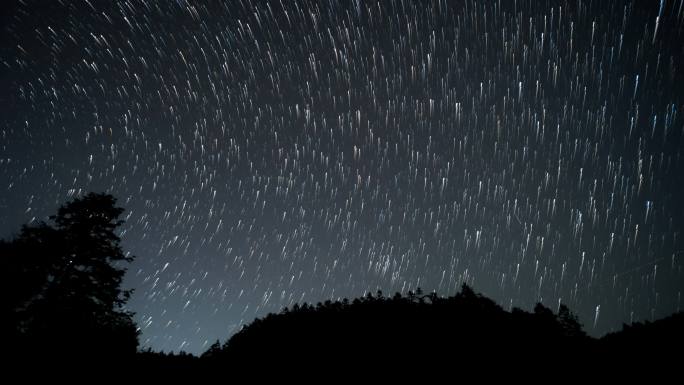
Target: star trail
<point x="276" y="152"/>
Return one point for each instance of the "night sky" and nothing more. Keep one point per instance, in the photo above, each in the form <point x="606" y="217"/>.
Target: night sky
<point x="276" y="152"/>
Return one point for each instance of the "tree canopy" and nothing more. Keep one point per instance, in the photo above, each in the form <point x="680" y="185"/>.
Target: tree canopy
<point x="63" y="282"/>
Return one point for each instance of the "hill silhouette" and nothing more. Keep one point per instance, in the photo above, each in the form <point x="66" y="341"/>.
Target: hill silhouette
<point x="463" y="326"/>
<point x="467" y="329"/>
<point x="662" y="332"/>
<point x="63" y="302"/>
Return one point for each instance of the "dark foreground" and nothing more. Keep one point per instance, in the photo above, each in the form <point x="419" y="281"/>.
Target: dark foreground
<point x="465" y="333"/>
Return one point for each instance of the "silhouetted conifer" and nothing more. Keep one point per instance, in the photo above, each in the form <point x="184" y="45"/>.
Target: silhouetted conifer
<point x="61" y="283"/>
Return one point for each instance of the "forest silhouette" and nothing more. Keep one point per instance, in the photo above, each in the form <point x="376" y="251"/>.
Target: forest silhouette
<point x="64" y="301"/>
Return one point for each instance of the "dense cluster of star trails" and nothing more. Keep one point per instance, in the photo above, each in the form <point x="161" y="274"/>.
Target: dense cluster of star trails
<point x="276" y="152"/>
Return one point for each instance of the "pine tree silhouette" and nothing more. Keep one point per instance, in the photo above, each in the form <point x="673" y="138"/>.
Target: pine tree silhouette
<point x="62" y="282"/>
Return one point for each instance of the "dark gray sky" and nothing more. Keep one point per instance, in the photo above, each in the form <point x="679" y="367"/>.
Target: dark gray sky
<point x="277" y="152"/>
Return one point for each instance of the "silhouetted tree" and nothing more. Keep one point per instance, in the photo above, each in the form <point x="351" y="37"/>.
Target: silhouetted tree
<point x="62" y="282"/>
<point x="213" y="351"/>
<point x="542" y="311"/>
<point x="569" y="322"/>
<point x="467" y="292"/>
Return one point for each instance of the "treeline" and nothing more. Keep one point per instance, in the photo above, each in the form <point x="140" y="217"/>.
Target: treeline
<point x="385" y="326"/>
<point x="467" y="329"/>
<point x="63" y="302"/>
